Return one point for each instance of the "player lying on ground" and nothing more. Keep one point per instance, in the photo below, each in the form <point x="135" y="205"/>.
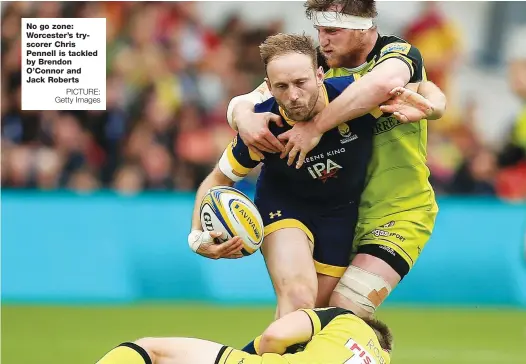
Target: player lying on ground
<point x="398" y="208"/>
<point x="329" y="336"/>
<point x="307" y="213"/>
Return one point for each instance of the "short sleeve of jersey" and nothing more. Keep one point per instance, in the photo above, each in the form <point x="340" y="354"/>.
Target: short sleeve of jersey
<point x="340" y="83"/>
<point x="237" y="160"/>
<point x="406" y="53"/>
<point x="320" y="317"/>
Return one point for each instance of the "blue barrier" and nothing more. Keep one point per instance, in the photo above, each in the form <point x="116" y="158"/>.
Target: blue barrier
<point x="63" y="247"/>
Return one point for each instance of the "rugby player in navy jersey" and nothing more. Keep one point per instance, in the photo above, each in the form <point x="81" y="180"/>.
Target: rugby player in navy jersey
<point x="310" y="213"/>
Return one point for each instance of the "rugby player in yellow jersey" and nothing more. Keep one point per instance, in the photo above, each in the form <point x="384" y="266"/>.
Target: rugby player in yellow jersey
<point x="398" y="208"/>
<point x="329" y="336"/>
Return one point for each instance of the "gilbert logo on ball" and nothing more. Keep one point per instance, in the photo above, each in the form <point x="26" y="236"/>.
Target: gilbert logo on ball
<point x="227" y="210"/>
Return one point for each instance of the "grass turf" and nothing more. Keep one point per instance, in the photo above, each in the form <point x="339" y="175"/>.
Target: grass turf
<point x="83" y="334"/>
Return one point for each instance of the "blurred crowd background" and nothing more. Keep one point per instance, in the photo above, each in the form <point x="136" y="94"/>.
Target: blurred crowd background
<point x="171" y="73"/>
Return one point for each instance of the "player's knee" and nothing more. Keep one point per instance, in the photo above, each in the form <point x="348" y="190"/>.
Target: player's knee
<point x="360" y="291"/>
<point x="300" y="295"/>
<point x="149" y="345"/>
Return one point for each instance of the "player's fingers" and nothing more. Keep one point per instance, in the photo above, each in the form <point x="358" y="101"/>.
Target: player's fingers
<point x="257" y="152"/>
<point x="261" y="146"/>
<point x="234" y="256"/>
<point x="400" y="117"/>
<point x="263" y="140"/>
<point x="301" y="159"/>
<point x="272" y="142"/>
<point x="221" y="249"/>
<point x="389" y="109"/>
<point x="292" y="155"/>
<point x="397" y="91"/>
<point x="235" y="248"/>
<point x="284" y="137"/>
<point x="288" y="148"/>
<point x="392" y="101"/>
<point x="276" y="119"/>
<point x="215" y="234"/>
<point x="276" y="144"/>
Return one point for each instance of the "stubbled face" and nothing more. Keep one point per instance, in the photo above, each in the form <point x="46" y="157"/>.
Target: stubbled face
<point x="340" y="47"/>
<point x="295" y="84"/>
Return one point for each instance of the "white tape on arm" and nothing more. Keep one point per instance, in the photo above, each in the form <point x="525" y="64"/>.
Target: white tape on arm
<point x="255" y="97"/>
<point x="198" y="237"/>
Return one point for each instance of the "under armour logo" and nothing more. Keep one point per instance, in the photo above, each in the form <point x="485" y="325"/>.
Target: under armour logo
<point x="276" y="214"/>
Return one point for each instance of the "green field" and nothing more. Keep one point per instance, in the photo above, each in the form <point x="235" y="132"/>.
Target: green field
<point x="78" y="335"/>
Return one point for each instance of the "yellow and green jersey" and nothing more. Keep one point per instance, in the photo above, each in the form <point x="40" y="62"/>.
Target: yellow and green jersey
<point x="338" y="337"/>
<point x="397" y="177"/>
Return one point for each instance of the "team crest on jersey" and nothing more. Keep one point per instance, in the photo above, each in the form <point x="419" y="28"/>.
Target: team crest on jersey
<point x="346" y="133"/>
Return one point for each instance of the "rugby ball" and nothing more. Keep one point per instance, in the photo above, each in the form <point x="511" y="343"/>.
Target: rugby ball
<point x="227" y="210"/>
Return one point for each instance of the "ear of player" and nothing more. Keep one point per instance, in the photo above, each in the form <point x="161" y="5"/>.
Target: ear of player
<point x="232" y="213"/>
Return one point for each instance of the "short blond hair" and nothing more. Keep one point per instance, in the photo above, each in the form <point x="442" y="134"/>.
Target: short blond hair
<point x="281" y="44"/>
<point x="362" y="8"/>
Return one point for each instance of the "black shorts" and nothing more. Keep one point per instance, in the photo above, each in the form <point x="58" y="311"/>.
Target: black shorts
<point x="330" y="229"/>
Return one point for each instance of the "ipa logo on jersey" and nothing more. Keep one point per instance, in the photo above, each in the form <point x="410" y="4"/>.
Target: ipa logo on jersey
<point x="324" y="170"/>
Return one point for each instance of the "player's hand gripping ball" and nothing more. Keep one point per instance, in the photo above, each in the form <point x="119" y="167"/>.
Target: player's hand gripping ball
<point x="229" y="211"/>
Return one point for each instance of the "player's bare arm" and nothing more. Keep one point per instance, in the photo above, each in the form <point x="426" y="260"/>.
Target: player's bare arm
<point x="436" y="98"/>
<point x="364" y="95"/>
<point x="253" y="127"/>
<point x="293" y="328"/>
<point x="416" y="102"/>
<point x="202" y="242"/>
<point x="360" y="98"/>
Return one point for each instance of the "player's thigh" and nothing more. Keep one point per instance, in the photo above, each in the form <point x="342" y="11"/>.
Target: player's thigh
<point x="385" y="253"/>
<point x="288" y="256"/>
<point x="181" y="350"/>
<point x="334" y="233"/>
<point x="397" y="240"/>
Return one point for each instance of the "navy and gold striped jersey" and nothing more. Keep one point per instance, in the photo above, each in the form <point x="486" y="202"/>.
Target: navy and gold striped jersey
<point x="334" y="171"/>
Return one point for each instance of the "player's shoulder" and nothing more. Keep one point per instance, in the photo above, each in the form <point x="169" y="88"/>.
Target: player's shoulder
<point x="338" y="84"/>
<point x="269" y="105"/>
<point x="392" y="43"/>
<point x="327" y="314"/>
